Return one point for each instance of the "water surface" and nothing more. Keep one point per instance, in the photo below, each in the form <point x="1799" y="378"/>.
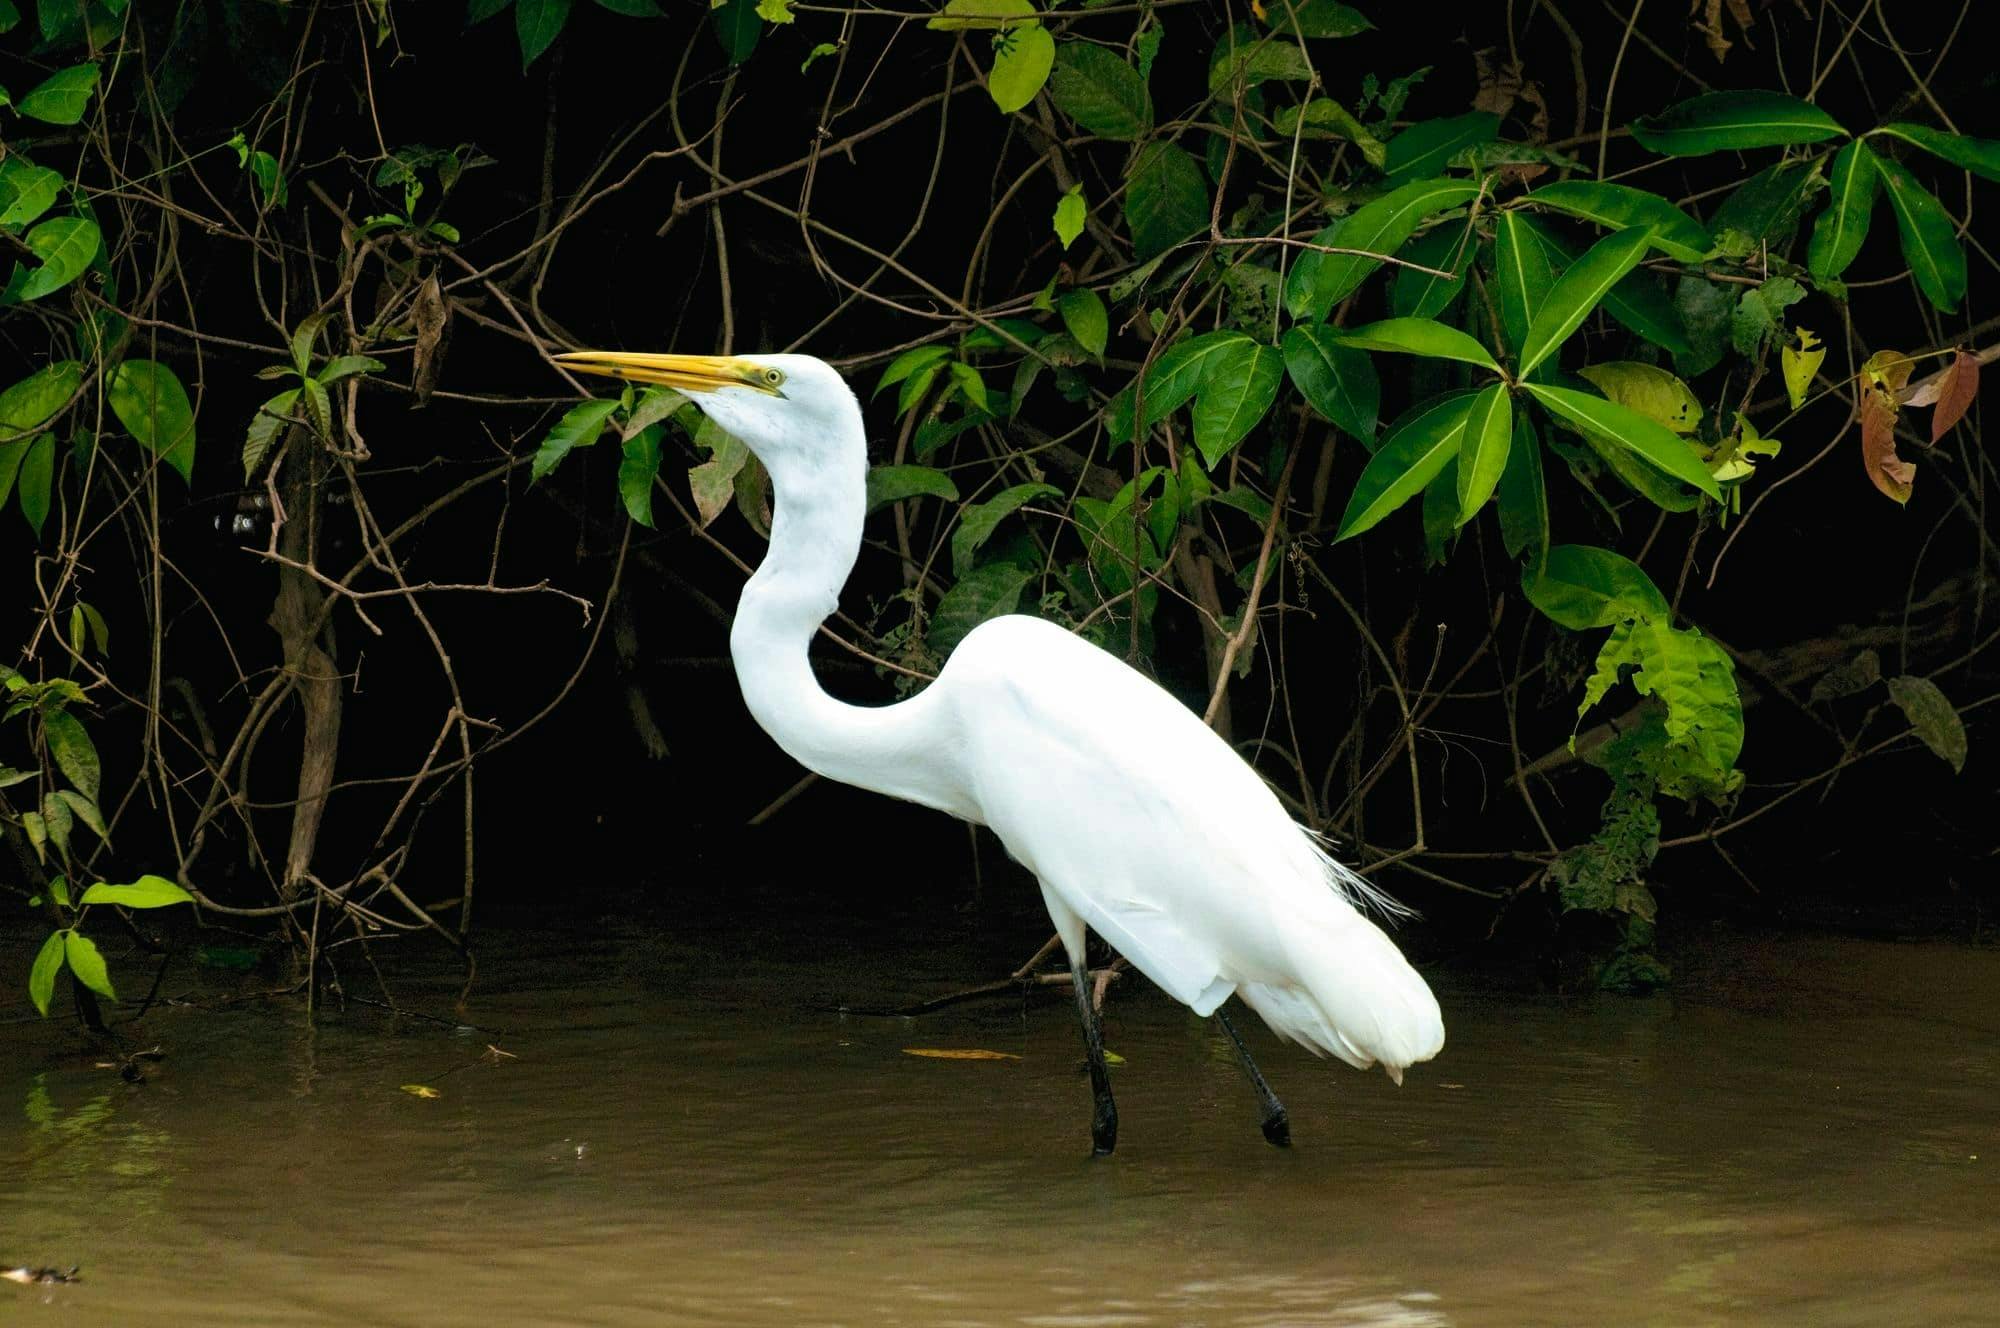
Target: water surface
<point x="683" y="1131"/>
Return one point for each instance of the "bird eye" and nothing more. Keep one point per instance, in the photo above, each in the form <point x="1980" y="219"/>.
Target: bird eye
<point x="774" y="376"/>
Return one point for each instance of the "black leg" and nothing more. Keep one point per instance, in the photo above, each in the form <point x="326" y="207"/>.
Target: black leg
<point x="1277" y="1125"/>
<point x="1104" y="1117"/>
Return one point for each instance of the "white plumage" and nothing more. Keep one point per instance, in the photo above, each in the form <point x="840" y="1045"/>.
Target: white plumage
<point x="1139" y="822"/>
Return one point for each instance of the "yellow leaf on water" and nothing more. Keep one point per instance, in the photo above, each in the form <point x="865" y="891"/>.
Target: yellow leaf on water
<point x="421" y="1090"/>
<point x="960" y="1054"/>
<point x="1801" y="362"/>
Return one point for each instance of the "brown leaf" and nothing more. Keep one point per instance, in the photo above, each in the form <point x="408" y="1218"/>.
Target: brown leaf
<point x="960" y="1054"/>
<point x="1499" y="81"/>
<point x="1955" y="392"/>
<point x="1708" y="22"/>
<point x="1887" y="471"/>
<point x="430" y="317"/>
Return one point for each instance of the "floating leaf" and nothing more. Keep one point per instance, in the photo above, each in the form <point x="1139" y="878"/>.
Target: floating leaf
<point x="1838" y="233"/>
<point x="1733" y="122"/>
<point x="963" y="1054"/>
<point x="424" y="1091"/>
<point x="1801" y="360"/>
<point x="1933" y="717"/>
<point x="1416" y="449"/>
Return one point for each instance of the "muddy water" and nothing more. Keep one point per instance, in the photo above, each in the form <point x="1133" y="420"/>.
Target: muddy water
<point x="1808" y="1132"/>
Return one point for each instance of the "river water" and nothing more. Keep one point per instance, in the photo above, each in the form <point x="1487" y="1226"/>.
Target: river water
<point x="685" y="1130"/>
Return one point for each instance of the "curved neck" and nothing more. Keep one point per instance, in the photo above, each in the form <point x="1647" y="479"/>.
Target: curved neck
<point x="815" y="539"/>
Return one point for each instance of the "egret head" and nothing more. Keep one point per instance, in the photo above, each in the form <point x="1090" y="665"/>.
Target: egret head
<point x="793" y="411"/>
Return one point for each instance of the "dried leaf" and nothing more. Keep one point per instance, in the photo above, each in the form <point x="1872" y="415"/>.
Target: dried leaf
<point x="960" y="1054"/>
<point x="1933" y="717"/>
<point x="1855" y="676"/>
<point x="1801" y="362"/>
<point x="1882" y="377"/>
<point x="1955" y="392"/>
<point x="1500" y="81"/>
<point x="430" y="319"/>
<point x="421" y="1090"/>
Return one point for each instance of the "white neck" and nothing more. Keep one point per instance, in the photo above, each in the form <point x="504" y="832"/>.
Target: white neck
<point x="815" y="538"/>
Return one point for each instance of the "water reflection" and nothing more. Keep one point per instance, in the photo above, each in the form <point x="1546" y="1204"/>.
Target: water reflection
<point x="690" y="1136"/>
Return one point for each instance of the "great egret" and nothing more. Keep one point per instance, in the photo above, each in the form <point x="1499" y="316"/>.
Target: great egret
<point x="1137" y="820"/>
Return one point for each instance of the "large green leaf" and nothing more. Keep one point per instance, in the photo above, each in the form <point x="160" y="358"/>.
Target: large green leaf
<point x="1838" y="233"/>
<point x="65" y="245"/>
<point x="1636" y="300"/>
<point x="1648" y="389"/>
<point x="638" y="465"/>
<point x="42" y="976"/>
<point x="1336" y="380"/>
<point x="29" y="404"/>
<point x="1621" y="207"/>
<point x="1419" y="294"/>
<point x="578" y="427"/>
<point x="1581" y="586"/>
<point x="1420" y="445"/>
<point x="737" y="28"/>
<point x="536" y="24"/>
<point x="26" y="190"/>
<point x="1084" y="315"/>
<point x="1981" y="156"/>
<point x="1021" y="67"/>
<point x="960" y="15"/>
<point x="73" y="752"/>
<point x="1316" y="18"/>
<point x="1765" y="209"/>
<point x="1242" y="54"/>
<point x="1652" y="441"/>
<point x="62" y="97"/>
<point x="1523" y="274"/>
<point x="1237" y="390"/>
<point x="1734" y="121"/>
<point x="265" y="426"/>
<point x="1930" y="238"/>
<point x="1419" y="336"/>
<point x="1101" y="92"/>
<point x="1166" y="199"/>
<point x="87" y="964"/>
<point x="1482" y="450"/>
<point x="37" y="479"/>
<point x="1179" y="371"/>
<point x="978" y="522"/>
<point x="1319" y="281"/>
<point x="1579" y="290"/>
<point x="146" y="892"/>
<point x="1428" y="146"/>
<point x="1524" y="499"/>
<point x="983" y="593"/>
<point x="148" y="399"/>
<point x="889" y="484"/>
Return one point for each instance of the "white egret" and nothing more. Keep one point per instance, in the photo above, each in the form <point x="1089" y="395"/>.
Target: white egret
<point x="1138" y="821"/>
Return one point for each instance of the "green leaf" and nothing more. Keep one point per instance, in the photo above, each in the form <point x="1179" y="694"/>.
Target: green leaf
<point x="1482" y="450"/>
<point x="1418" y="294"/>
<point x="1641" y="305"/>
<point x="1439" y="512"/>
<point x="1523" y="275"/>
<point x="1083" y="313"/>
<point x="1581" y="586"/>
<point x="1020" y="67"/>
<point x="148" y="399"/>
<point x="819" y="51"/>
<point x="718" y="480"/>
<point x="1930" y="238"/>
<point x="62" y="97"/>
<point x="1420" y="336"/>
<point x="1428" y="146"/>
<point x="970" y="383"/>
<point x="1070" y="215"/>
<point x="265" y="426"/>
<point x="26" y="190"/>
<point x="1179" y="371"/>
<point x="1838" y="233"/>
<point x="1620" y="207"/>
<point x="1524" y="499"/>
<point x="890" y="484"/>
<point x="1648" y="389"/>
<point x="346" y="366"/>
<point x="1760" y="312"/>
<point x="1419" y="446"/>
<point x="978" y="522"/>
<point x="1101" y="92"/>
<point x="1322" y="117"/>
<point x="983" y="593"/>
<point x="1336" y="380"/>
<point x="65" y="245"/>
<point x="85" y="810"/>
<point x="959" y="15"/>
<point x="37" y="480"/>
<point x="737" y="28"/>
<point x="1579" y="290"/>
<point x="1166" y="199"/>
<point x="72" y="750"/>
<point x="1701" y="734"/>
<point x="478" y="11"/>
<point x="1733" y="122"/>
<point x="1320" y="281"/>
<point x="1316" y="18"/>
<point x="1705" y="309"/>
<point x="579" y="426"/>
<point x="146" y="892"/>
<point x="1241" y="54"/>
<point x="1933" y="717"/>
<point x="771" y="11"/>
<point x="1981" y="156"/>
<point x="1238" y="388"/>
<point x="33" y="402"/>
<point x="536" y="24"/>
<point x="87" y="964"/>
<point x="900" y="368"/>
<point x="42" y="977"/>
<point x="642" y="8"/>
<point x="1765" y="209"/>
<point x="638" y="464"/>
<point x="1650" y="441"/>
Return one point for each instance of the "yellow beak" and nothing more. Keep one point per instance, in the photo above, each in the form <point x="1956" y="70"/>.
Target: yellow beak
<point x="687" y="373"/>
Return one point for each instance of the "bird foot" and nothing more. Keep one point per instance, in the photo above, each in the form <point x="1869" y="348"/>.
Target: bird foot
<point x="1278" y="1129"/>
